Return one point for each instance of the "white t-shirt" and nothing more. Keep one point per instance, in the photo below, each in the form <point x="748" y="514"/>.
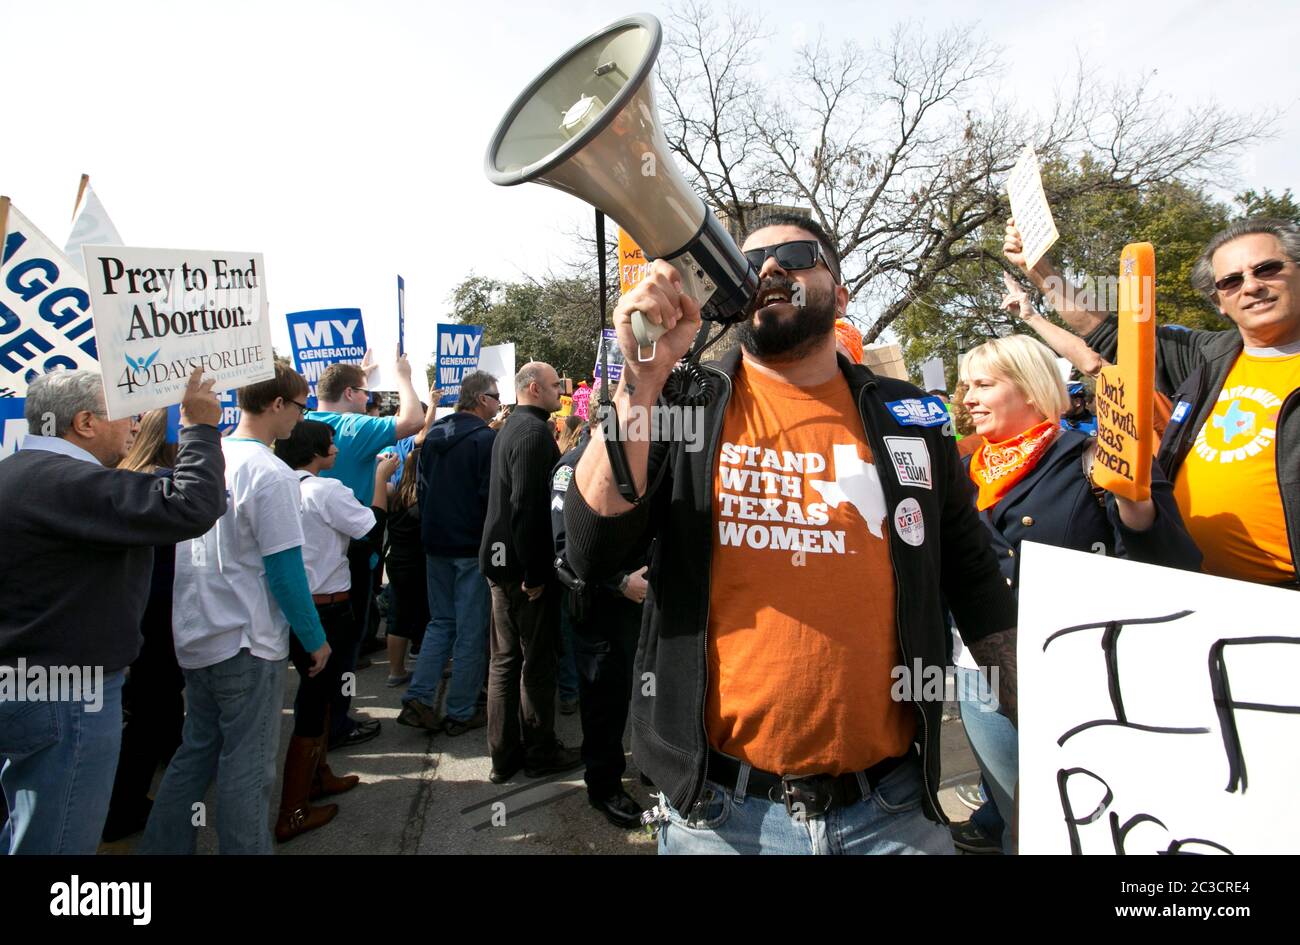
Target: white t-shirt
<point x="331" y="515"/>
<point x="221" y="602"/>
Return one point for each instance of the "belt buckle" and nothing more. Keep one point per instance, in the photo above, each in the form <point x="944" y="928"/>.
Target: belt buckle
<point x="803" y="799"/>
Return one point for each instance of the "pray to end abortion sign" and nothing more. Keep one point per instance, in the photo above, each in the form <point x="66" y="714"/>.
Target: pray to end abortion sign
<point x="161" y="313"/>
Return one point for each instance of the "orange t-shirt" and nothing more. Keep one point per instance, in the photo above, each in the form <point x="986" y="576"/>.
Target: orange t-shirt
<point x="1227" y="487"/>
<point x="802" y="636"/>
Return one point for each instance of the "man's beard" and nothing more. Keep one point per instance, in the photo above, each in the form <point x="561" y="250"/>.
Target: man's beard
<point x="789" y="339"/>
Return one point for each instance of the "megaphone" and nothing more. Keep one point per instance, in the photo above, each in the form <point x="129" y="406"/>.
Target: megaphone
<point x="588" y="126"/>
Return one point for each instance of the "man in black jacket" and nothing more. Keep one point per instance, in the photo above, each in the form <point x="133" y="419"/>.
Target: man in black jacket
<point x="768" y="650"/>
<point x="517" y="557"/>
<point x="455" y="477"/>
<point x="76" y="557"/>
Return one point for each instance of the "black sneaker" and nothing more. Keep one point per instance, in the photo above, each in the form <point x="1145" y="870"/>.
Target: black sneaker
<point x="361" y="733"/>
<point x="970" y="839"/>
<point x="560" y="759"/>
<point x="620" y="809"/>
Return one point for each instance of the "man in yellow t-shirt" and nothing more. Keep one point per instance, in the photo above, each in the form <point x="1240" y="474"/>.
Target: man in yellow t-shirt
<point x="1232" y="447"/>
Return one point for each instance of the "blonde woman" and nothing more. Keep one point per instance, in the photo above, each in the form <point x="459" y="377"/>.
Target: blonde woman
<point x="1032" y="482"/>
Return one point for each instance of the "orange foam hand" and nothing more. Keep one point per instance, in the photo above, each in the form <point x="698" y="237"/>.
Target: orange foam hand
<point x="1124" y="390"/>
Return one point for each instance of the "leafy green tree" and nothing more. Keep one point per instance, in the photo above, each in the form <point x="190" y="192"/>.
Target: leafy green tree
<point x="554" y="320"/>
<point x="1266" y="204"/>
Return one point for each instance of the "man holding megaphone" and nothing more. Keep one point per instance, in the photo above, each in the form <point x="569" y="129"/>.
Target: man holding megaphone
<point x="796" y="573"/>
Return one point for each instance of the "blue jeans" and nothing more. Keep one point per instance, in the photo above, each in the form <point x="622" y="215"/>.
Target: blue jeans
<point x="232" y="732"/>
<point x="997" y="749"/>
<point x="459" y="601"/>
<point x="887" y="820"/>
<point x="57" y="762"/>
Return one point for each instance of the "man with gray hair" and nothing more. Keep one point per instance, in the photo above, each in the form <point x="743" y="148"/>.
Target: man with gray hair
<point x="1232" y="446"/>
<point x="517" y="556"/>
<point x="76" y="558"/>
<point x="455" y="466"/>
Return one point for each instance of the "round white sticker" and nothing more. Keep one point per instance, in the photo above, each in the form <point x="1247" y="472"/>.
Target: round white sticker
<point x="908" y="522"/>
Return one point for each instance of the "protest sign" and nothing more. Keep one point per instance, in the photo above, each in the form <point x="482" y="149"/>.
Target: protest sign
<point x="1159" y="715"/>
<point x="12" y="425"/>
<point x="609" y="341"/>
<point x="1030" y="208"/>
<point x="632" y="264"/>
<point x="401" y="316"/>
<point x="45" y="318"/>
<point x="932" y="375"/>
<point x="90" y="226"/>
<point x="229" y="411"/>
<point x="160" y="313"/>
<point x="1125" y="390"/>
<point x="323" y="337"/>
<point x="458" y="351"/>
<point x="499" y="361"/>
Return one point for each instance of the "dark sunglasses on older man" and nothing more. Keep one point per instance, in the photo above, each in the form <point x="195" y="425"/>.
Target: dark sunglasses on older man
<point x="1265" y="270"/>
<point x="796" y="254"/>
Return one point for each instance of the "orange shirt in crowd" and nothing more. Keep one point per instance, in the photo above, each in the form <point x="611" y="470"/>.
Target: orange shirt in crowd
<point x="802" y="637"/>
<point x="1227" y="487"/>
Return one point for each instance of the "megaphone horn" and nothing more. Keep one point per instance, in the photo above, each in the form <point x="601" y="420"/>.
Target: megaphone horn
<point x="588" y="126"/>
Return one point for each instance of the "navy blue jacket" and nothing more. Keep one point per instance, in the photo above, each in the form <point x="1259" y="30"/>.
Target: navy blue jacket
<point x="1055" y="505"/>
<point x="455" y="474"/>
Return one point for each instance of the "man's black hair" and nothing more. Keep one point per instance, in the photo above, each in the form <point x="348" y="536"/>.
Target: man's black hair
<point x="309" y="439"/>
<point x="806" y="223"/>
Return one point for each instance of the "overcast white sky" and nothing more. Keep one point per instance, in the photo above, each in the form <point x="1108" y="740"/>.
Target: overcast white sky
<point x="345" y="140"/>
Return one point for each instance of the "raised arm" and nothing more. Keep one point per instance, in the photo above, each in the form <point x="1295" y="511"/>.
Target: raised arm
<point x="1061" y="294"/>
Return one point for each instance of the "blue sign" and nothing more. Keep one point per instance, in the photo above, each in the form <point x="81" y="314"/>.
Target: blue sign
<point x="324" y="337"/>
<point x="12" y="425"/>
<point x="229" y="411"/>
<point x="458" y="347"/>
<point x="401" y="315"/>
<point x="919" y="411"/>
<point x="609" y="341"/>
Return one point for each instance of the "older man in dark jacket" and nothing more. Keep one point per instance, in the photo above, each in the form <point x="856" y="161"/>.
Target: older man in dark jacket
<point x="76" y="555"/>
<point x="517" y="557"/>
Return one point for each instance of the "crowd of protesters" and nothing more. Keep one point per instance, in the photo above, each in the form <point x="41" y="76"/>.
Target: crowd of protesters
<point x="526" y="575"/>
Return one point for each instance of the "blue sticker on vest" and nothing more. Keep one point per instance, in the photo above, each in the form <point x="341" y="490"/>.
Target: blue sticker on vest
<point x="919" y="411"/>
<point x="1180" y="412"/>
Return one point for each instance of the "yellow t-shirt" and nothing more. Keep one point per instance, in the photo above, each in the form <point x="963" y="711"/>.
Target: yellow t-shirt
<point x="802" y="636"/>
<point x="1227" y="487"/>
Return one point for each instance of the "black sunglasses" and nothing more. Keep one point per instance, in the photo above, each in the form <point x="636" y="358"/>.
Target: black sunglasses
<point x="493" y="394"/>
<point x="1265" y="270"/>
<point x="796" y="254"/>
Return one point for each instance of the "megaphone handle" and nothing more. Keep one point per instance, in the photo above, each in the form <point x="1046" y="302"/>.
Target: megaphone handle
<point x="695" y="283"/>
<point x="647" y="336"/>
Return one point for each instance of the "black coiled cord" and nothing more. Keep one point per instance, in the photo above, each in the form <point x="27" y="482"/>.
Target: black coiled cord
<point x="689" y="385"/>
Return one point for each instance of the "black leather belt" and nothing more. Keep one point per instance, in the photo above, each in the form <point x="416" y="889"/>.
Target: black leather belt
<point x="812" y="796"/>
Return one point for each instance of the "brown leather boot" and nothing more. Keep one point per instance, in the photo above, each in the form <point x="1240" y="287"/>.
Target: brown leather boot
<point x="326" y="783"/>
<point x="296" y="815"/>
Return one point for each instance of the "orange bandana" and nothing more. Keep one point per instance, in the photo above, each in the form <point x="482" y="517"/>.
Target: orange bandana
<point x="995" y="468"/>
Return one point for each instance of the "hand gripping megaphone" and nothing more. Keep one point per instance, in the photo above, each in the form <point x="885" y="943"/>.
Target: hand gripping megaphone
<point x="588" y="125"/>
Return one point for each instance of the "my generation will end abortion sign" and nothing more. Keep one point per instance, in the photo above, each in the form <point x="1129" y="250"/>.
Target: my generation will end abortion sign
<point x="458" y="351"/>
<point x="323" y="337"/>
<point x="160" y="313"/>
